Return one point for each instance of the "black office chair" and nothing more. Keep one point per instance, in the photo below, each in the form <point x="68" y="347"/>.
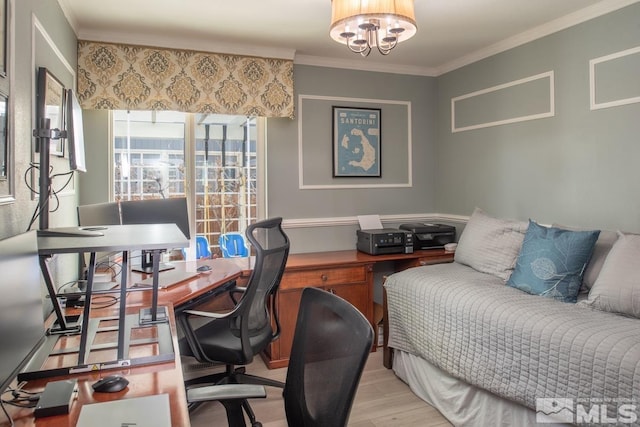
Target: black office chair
<point x="331" y="344"/>
<point x="234" y="338"/>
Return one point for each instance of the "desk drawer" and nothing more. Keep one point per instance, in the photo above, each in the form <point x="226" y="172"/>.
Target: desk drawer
<point x="323" y="277"/>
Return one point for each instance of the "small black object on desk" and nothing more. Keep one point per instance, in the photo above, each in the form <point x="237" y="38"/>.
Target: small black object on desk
<point x="110" y="384"/>
<point x="204" y="268"/>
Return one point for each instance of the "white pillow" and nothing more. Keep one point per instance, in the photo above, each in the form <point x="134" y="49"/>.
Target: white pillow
<point x="600" y="251"/>
<point x="491" y="245"/>
<point x="617" y="288"/>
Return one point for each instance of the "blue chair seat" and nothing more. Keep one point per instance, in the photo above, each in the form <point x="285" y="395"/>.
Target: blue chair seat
<point x="202" y="247"/>
<point x="233" y="244"/>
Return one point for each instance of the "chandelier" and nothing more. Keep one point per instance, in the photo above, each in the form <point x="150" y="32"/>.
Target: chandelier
<point x="363" y="24"/>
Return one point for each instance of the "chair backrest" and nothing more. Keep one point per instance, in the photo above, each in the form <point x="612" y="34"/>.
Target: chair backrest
<point x="331" y="344"/>
<point x="271" y="246"/>
<point x="202" y="247"/>
<point x="233" y="244"/>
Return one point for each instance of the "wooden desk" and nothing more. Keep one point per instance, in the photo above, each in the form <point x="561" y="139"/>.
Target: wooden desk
<point x="144" y="380"/>
<point x="348" y="274"/>
<point x="223" y="270"/>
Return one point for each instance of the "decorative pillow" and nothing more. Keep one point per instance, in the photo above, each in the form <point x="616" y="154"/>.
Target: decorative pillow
<point x="617" y="288"/>
<point x="552" y="261"/>
<point x="490" y="245"/>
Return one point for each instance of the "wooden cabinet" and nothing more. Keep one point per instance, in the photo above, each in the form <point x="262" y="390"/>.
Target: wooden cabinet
<point x="348" y="274"/>
<point x="351" y="282"/>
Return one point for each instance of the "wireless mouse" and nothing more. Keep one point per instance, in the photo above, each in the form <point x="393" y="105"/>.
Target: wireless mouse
<point x="110" y="384"/>
<point x="204" y="268"/>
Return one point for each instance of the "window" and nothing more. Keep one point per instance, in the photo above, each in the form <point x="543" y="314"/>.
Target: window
<point x="211" y="159"/>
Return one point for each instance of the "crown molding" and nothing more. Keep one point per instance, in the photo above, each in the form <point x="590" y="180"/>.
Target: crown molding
<point x="551" y="27"/>
<point x="205" y="45"/>
<point x="321" y="61"/>
<point x="186" y="43"/>
<point x="71" y="17"/>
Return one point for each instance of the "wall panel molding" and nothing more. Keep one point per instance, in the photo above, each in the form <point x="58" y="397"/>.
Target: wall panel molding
<point x="494" y="91"/>
<point x="615" y="79"/>
<point x="375" y="182"/>
<point x="353" y="220"/>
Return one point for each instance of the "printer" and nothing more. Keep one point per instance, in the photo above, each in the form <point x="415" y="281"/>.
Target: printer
<point x="430" y="236"/>
<point x="385" y="241"/>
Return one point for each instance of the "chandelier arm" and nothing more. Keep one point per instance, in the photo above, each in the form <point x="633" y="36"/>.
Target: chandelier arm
<point x="360" y="50"/>
<point x="384" y="50"/>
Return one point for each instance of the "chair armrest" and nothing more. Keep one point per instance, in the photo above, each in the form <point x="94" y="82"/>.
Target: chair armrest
<point x="208" y="314"/>
<point x="226" y="392"/>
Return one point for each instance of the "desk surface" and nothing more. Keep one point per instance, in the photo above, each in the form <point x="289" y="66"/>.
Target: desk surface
<point x="116" y="238"/>
<point x="222" y="270"/>
<point x="143" y="380"/>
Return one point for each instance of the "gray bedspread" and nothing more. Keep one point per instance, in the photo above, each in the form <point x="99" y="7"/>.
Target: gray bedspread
<point x="518" y="346"/>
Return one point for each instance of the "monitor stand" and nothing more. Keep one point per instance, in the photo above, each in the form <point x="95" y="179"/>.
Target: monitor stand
<point x="146" y="265"/>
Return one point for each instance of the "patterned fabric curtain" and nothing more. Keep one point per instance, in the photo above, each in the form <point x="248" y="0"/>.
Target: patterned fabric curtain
<point x="127" y="77"/>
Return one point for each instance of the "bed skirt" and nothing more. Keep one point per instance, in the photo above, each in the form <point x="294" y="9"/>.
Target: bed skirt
<point x="461" y="403"/>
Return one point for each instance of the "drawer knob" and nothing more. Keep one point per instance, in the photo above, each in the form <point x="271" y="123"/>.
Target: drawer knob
<point x="324" y="277"/>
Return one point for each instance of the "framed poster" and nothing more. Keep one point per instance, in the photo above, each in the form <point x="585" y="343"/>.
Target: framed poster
<point x="356" y="142"/>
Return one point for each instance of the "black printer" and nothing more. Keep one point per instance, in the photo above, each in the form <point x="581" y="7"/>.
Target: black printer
<point x="430" y="236"/>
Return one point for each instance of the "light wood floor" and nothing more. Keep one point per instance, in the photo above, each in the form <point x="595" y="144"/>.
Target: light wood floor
<point x="382" y="400"/>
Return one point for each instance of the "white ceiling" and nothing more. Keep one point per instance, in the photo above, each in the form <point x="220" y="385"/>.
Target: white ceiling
<point x="451" y="33"/>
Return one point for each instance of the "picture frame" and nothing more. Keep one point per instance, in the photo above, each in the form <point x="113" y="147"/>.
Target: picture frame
<point x="4" y="136"/>
<point x="356" y="135"/>
<point x="51" y="105"/>
<point x="3" y="37"/>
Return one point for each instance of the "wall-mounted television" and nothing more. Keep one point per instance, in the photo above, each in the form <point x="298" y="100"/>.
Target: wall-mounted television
<point x="75" y="133"/>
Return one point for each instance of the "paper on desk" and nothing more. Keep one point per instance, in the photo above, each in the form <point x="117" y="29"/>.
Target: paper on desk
<point x="369" y="222"/>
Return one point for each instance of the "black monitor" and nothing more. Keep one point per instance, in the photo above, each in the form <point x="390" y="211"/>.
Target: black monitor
<point x="156" y="211"/>
<point x="99" y="214"/>
<point x="21" y="311"/>
<point x="75" y="133"/>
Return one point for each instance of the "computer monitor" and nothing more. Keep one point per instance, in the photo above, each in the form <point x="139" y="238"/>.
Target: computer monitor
<point x="156" y="211"/>
<point x="99" y="214"/>
<point x="75" y="133"/>
<point x="21" y="310"/>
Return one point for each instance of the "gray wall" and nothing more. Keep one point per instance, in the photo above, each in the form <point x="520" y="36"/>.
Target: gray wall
<point x="14" y="217"/>
<point x="286" y="199"/>
<point x="54" y="47"/>
<point x="579" y="167"/>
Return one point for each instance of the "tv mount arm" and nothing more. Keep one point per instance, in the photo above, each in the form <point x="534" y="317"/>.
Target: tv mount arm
<point x="44" y="136"/>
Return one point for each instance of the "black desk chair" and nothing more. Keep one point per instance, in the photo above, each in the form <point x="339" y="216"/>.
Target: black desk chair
<point x="234" y="338"/>
<point x="331" y="344"/>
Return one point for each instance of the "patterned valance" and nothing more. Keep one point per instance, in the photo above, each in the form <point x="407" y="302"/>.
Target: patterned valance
<point x="128" y="77"/>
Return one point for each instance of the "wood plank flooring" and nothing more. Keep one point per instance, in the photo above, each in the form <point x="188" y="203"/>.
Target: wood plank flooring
<point x="382" y="400"/>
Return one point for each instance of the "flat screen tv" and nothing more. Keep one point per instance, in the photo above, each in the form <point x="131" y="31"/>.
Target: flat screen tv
<point x="75" y="133"/>
<point x="21" y="314"/>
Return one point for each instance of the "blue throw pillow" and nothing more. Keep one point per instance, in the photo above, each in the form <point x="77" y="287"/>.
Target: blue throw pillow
<point x="552" y="260"/>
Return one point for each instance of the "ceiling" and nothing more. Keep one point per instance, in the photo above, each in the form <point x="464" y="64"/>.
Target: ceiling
<point x="451" y="33"/>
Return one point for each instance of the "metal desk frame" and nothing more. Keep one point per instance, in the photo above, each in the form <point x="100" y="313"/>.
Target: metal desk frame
<point x="114" y="238"/>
